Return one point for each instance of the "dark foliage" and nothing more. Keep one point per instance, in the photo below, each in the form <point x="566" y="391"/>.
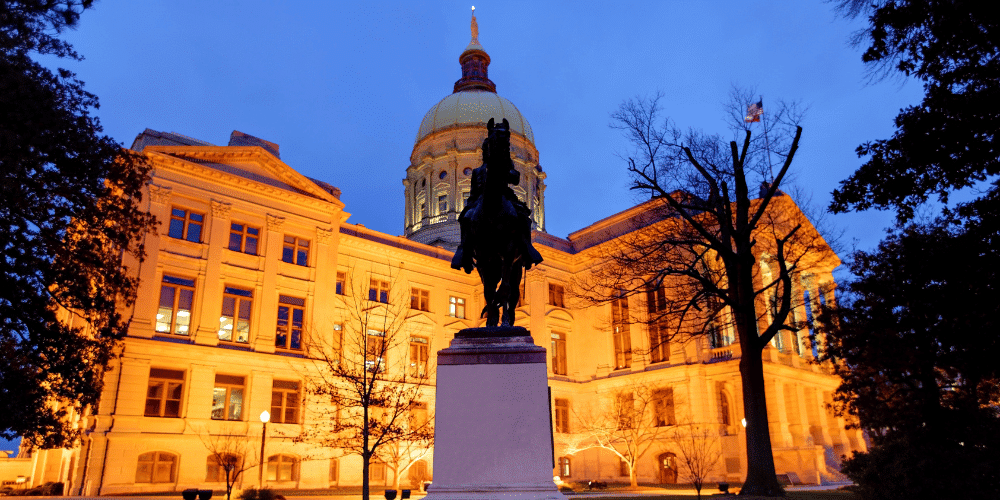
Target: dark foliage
<point x="917" y="347"/>
<point x="69" y="213"/>
<point x="949" y="140"/>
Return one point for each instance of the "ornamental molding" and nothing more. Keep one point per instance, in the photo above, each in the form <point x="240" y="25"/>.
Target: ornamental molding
<point x="160" y="194"/>
<point x="221" y="209"/>
<point x="275" y="222"/>
<point x="323" y="235"/>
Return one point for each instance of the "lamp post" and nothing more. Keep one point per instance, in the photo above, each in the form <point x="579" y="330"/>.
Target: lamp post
<point x="264" y="418"/>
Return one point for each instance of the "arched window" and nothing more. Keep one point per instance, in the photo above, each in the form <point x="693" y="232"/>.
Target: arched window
<point x="564" y="468"/>
<point x="418" y="473"/>
<point x="156" y="467"/>
<point x="334" y="470"/>
<point x="218" y="466"/>
<point x="282" y="468"/>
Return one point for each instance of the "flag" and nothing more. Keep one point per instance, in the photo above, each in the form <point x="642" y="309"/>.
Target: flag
<point x="754" y="111"/>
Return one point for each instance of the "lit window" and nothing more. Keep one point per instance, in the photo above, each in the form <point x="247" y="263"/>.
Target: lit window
<point x="243" y="238"/>
<point x="295" y="251"/>
<point x="562" y="415"/>
<point x="620" y="332"/>
<point x="227" y="397"/>
<point x="156" y="467"/>
<point x="291" y="315"/>
<point x="375" y="351"/>
<point x="564" y="468"/>
<point x="556" y="295"/>
<point x="378" y="291"/>
<point x="442" y="203"/>
<point x="234" y="324"/>
<point x="285" y="402"/>
<point x="174" y="313"/>
<point x="219" y="466"/>
<point x="557" y="351"/>
<point x="456" y="307"/>
<point x="418" y="415"/>
<point x="420" y="299"/>
<point x="185" y="225"/>
<point x="625" y="410"/>
<point x="663" y="407"/>
<point x="659" y="333"/>
<point x="341" y="283"/>
<point x="163" y="394"/>
<point x="282" y="468"/>
<point x="419" y="354"/>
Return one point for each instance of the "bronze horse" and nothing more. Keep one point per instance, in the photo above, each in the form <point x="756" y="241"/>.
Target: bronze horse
<point x="496" y="229"/>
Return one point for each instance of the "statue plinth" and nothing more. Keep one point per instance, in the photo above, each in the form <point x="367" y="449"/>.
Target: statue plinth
<point x="493" y="434"/>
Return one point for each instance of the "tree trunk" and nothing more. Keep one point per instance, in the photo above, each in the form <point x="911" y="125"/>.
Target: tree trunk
<point x="761" y="479"/>
<point x="365" y="487"/>
<point x="632" y="476"/>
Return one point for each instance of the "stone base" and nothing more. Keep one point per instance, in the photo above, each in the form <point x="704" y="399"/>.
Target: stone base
<point x="492" y="425"/>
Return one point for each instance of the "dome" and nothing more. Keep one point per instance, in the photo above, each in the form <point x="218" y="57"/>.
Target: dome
<point x="473" y="107"/>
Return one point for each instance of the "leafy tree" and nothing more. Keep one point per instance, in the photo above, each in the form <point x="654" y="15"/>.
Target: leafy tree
<point x="369" y="392"/>
<point x="69" y="218"/>
<point x="718" y="246"/>
<point x="917" y="350"/>
<point x="948" y="141"/>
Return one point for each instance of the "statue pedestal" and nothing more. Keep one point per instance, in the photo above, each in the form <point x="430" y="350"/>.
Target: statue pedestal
<point x="492" y="435"/>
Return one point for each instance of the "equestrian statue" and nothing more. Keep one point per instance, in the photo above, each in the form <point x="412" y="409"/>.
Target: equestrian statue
<point x="496" y="229"/>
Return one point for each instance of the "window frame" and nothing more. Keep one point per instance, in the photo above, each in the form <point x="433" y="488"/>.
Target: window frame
<point x="154" y="462"/>
<point x="187" y="221"/>
<point x="280" y="412"/>
<point x="420" y="299"/>
<point x="419" y="356"/>
<point x="299" y="250"/>
<point x="621" y="333"/>
<point x="239" y="296"/>
<point x="216" y="472"/>
<point x="228" y="387"/>
<point x="378" y="290"/>
<point x="276" y="464"/>
<point x="169" y="380"/>
<point x="564" y="467"/>
<point x="557" y="344"/>
<point x="560" y="413"/>
<point x="244" y="235"/>
<point x="178" y="285"/>
<point x="456" y="307"/>
<point x="664" y="409"/>
<point x="557" y="295"/>
<point x="291" y="306"/>
<point x="377" y="350"/>
<point x="340" y="288"/>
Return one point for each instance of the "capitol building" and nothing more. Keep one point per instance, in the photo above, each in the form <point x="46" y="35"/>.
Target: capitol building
<point x="253" y="262"/>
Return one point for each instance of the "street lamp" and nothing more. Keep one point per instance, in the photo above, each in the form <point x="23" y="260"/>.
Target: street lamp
<point x="265" y="417"/>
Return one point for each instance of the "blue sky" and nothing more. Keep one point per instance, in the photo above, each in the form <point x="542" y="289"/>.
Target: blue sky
<point x="342" y="87"/>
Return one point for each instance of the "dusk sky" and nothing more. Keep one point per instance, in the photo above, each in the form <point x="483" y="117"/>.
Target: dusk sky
<point x="342" y="87"/>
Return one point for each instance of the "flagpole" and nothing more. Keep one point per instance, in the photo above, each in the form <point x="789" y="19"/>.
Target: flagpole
<point x="767" y="143"/>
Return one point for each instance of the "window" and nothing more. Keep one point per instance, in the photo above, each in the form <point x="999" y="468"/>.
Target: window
<point x="442" y="203"/>
<point x="663" y="407"/>
<point x="625" y="408"/>
<point x="185" y="225"/>
<point x="556" y="295"/>
<point x="456" y="307"/>
<point x="420" y="299"/>
<point x="234" y="324"/>
<point x="174" y="313"/>
<point x="375" y="351"/>
<point x="291" y="313"/>
<point x="624" y="469"/>
<point x="163" y="395"/>
<point x="227" y="398"/>
<point x="156" y="467"/>
<point x="557" y="350"/>
<point x="295" y="251"/>
<point x="442" y="174"/>
<point x="724" y="415"/>
<point x="419" y="354"/>
<point x="620" y="332"/>
<point x="285" y="402"/>
<point x="423" y="210"/>
<point x="376" y="473"/>
<point x="659" y="333"/>
<point x="282" y="468"/>
<point x="564" y="468"/>
<point x="418" y="415"/>
<point x="243" y="238"/>
<point x="218" y="465"/>
<point x="334" y="470"/>
<point x="378" y="291"/>
<point x="562" y="415"/>
<point x="341" y="283"/>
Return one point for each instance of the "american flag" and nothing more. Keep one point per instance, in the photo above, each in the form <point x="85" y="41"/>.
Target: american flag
<point x="754" y="111"/>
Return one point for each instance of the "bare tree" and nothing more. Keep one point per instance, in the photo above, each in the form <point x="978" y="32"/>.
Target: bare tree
<point x="700" y="451"/>
<point x="230" y="455"/>
<point x="717" y="247"/>
<point x="400" y="455"/>
<point x="628" y="422"/>
<point x="364" y="375"/>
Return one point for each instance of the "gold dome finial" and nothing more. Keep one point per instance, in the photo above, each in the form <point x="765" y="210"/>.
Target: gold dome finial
<point x="475" y="27"/>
